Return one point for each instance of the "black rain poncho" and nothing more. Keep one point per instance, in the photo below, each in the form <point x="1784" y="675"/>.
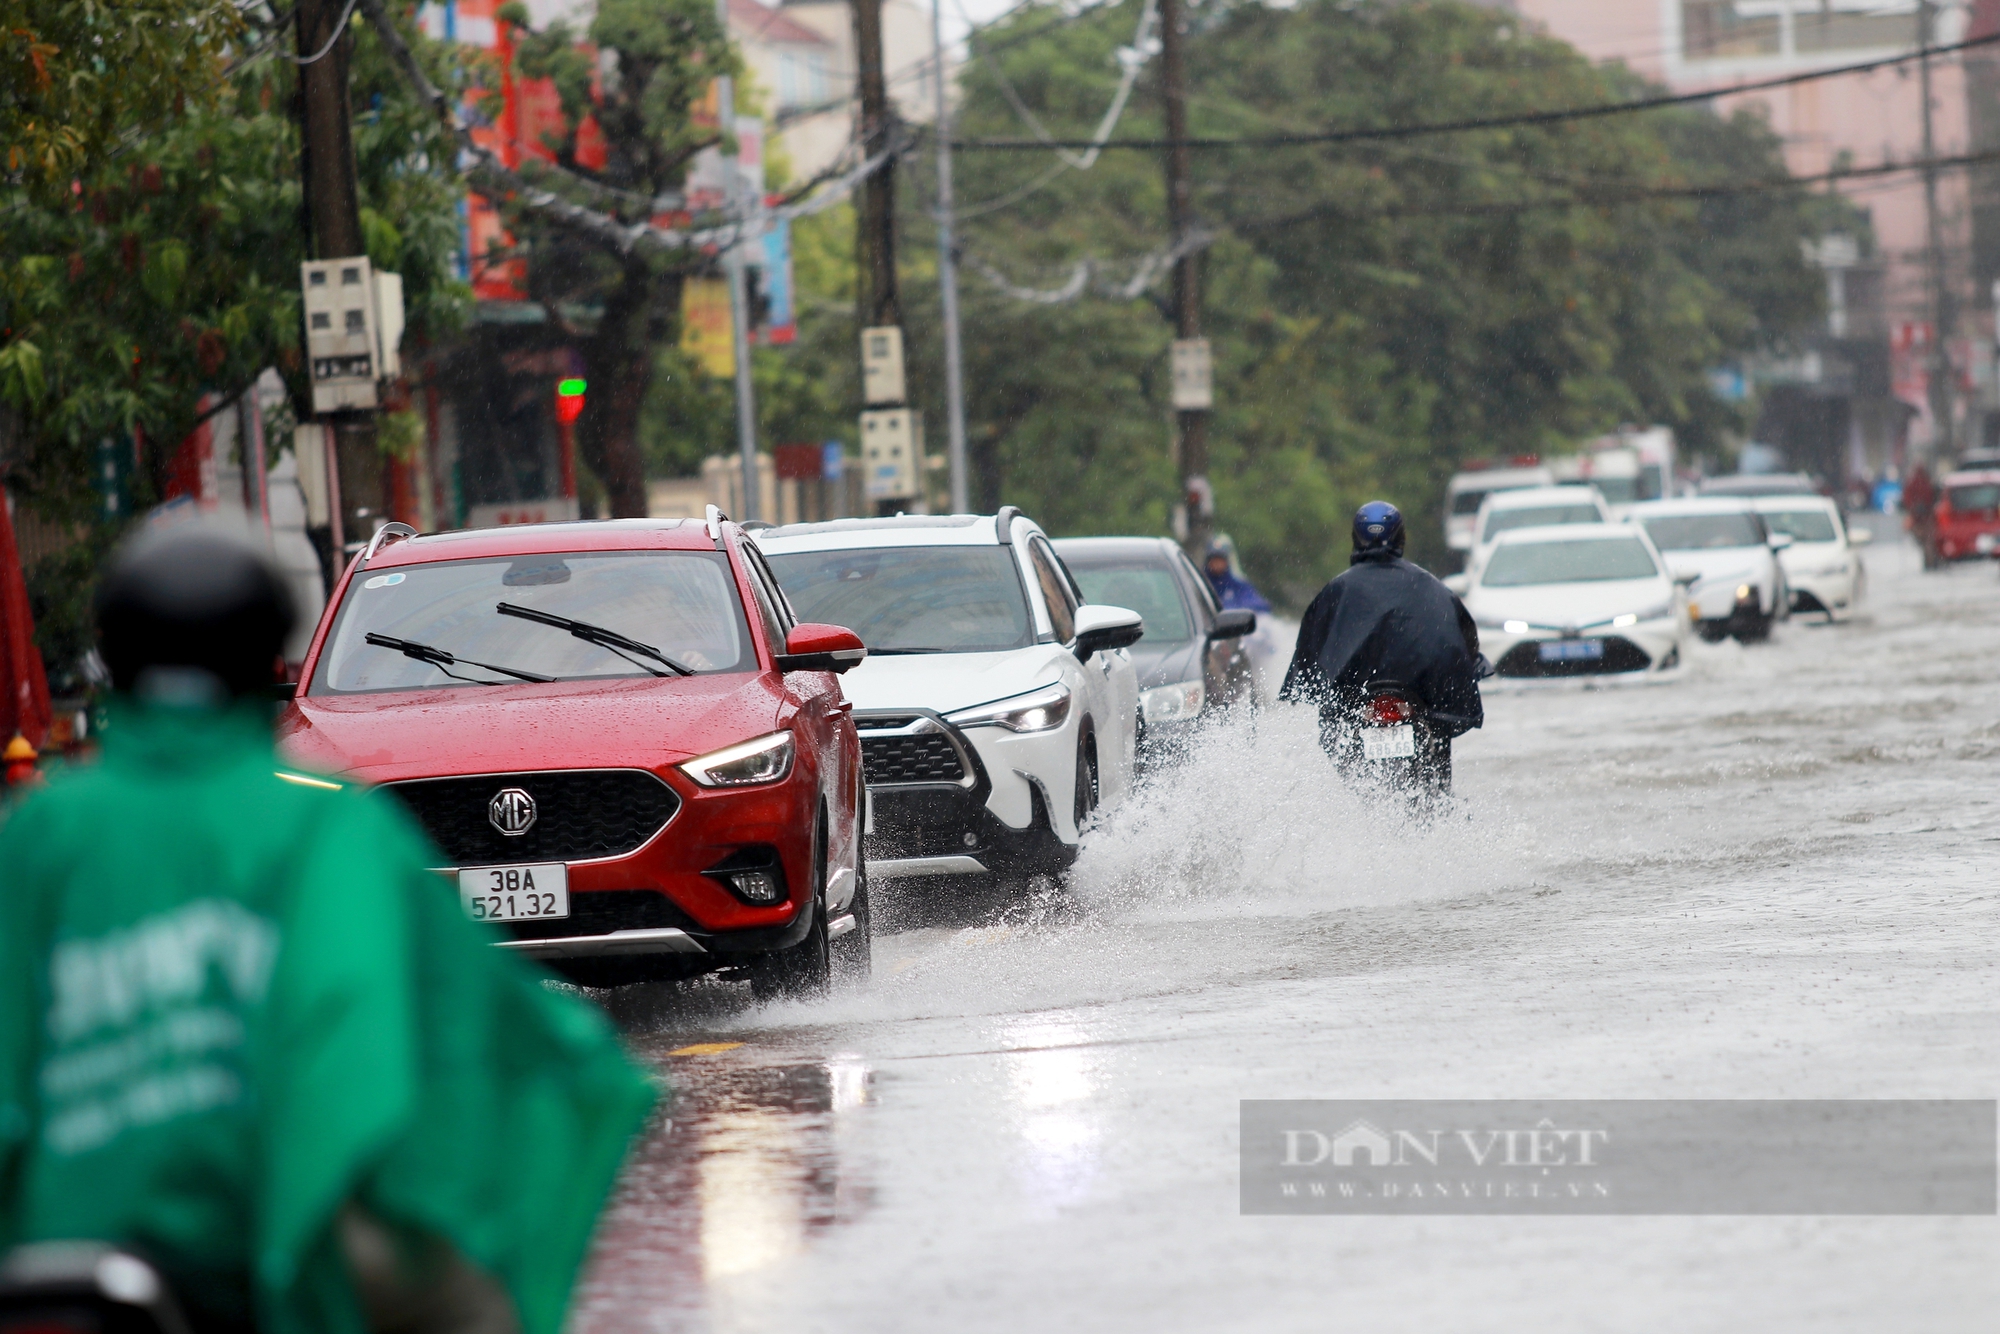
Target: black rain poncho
<point x="1385" y="619"/>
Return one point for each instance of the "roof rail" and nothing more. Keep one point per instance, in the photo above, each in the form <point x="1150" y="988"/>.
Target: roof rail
<point x="387" y="533"/>
<point x="1003" y="524"/>
<point x="755" y="525"/>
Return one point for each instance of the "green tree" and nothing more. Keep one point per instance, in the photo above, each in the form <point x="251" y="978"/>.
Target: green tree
<point x="637" y="72"/>
<point x="161" y="279"/>
<point x="1380" y="310"/>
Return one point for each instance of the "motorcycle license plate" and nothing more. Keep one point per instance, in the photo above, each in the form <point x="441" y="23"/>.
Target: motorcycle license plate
<point x="515" y="893"/>
<point x="1571" y="650"/>
<point x="1389" y="743"/>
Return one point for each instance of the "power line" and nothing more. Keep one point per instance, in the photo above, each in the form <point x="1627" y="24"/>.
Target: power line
<point x="1485" y="123"/>
<point x="1148" y="267"/>
<point x="1712" y="190"/>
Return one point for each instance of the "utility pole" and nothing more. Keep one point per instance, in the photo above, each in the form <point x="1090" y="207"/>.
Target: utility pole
<point x="1193" y="420"/>
<point x="1943" y="429"/>
<point x="333" y="206"/>
<point x="741" y="210"/>
<point x="954" y="366"/>
<point x="880" y="302"/>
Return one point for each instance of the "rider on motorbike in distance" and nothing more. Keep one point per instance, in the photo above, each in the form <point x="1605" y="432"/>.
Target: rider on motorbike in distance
<point x="1385" y="623"/>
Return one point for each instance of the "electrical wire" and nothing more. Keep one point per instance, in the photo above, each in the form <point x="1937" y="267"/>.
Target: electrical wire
<point x="338" y="29"/>
<point x="1485" y="123"/>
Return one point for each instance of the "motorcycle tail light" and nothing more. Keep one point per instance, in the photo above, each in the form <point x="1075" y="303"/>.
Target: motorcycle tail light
<point x="1388" y="710"/>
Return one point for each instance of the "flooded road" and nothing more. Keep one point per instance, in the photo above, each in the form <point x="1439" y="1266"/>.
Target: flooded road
<point x="1772" y="878"/>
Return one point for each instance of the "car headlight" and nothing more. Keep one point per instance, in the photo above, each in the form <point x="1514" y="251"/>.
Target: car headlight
<point x="1649" y="614"/>
<point x="1040" y="710"/>
<point x="764" y="759"/>
<point x="1515" y="627"/>
<point x="1178" y="703"/>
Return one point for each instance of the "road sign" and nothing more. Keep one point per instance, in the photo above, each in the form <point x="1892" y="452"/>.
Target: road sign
<point x="1194" y="377"/>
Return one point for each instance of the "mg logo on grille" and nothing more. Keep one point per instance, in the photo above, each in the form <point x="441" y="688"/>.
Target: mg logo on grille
<point x="511" y="811"/>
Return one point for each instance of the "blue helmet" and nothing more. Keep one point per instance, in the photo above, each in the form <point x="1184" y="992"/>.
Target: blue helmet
<point x="1378" y="526"/>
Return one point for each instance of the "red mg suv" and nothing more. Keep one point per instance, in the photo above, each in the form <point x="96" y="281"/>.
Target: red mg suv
<point x="637" y="765"/>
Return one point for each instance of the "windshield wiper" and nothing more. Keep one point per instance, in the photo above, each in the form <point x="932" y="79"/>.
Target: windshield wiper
<point x="441" y="660"/>
<point x="623" y="646"/>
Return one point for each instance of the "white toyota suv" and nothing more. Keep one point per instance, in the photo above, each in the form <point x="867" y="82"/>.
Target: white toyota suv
<point x="996" y="708"/>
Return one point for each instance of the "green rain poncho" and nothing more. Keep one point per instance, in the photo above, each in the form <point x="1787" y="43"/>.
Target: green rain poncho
<point x="231" y="1003"/>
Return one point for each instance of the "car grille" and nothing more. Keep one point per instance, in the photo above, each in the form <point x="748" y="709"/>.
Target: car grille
<point x="1620" y="655"/>
<point x="915" y="757"/>
<point x="580" y="814"/>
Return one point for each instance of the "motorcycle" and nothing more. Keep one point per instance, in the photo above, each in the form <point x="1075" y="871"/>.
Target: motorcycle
<point x="1384" y="741"/>
<point x="84" y="1287"/>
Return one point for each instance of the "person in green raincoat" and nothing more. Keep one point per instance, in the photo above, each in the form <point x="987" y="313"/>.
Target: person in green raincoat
<point x="245" y="1032"/>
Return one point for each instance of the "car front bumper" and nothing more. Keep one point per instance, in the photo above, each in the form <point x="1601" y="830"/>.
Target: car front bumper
<point x="1650" y="646"/>
<point x="951" y="801"/>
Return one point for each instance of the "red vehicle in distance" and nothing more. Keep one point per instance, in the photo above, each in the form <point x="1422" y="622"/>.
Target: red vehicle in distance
<point x="637" y="765"/>
<point x="1968" y="515"/>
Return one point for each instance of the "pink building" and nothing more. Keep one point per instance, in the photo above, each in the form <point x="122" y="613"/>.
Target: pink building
<point x="1880" y="304"/>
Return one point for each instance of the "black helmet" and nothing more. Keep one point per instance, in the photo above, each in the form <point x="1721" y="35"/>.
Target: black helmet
<point x="193" y="597"/>
<point x="1378" y="526"/>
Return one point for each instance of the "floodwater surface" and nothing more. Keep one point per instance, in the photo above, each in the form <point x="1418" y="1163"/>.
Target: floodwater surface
<point x="1770" y="878"/>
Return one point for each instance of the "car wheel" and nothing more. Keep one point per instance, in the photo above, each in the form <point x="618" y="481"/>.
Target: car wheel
<point x="1086" y="779"/>
<point x="853" y="955"/>
<point x="1754" y="629"/>
<point x="803" y="971"/>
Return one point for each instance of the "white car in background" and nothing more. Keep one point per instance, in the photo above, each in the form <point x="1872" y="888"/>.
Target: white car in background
<point x="1823" y="563"/>
<point x="1467" y="491"/>
<point x="1741" y="588"/>
<point x="1582" y="599"/>
<point x="1537" y="507"/>
<point x="997" y="709"/>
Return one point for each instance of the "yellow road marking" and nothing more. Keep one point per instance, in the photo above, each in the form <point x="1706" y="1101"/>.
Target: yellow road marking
<point x="705" y="1048"/>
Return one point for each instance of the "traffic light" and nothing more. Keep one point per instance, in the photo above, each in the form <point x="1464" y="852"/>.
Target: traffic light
<point x="569" y="399"/>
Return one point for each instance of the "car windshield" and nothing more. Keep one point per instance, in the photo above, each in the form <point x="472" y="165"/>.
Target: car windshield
<point x="1802" y="525"/>
<point x="1978" y="496"/>
<point x="1499" y="521"/>
<point x="1617" y="490"/>
<point x="683" y="603"/>
<point x="913" y="599"/>
<point x="1468" y="502"/>
<point x="1151" y="590"/>
<point x="1585" y="560"/>
<point x="1701" y="532"/>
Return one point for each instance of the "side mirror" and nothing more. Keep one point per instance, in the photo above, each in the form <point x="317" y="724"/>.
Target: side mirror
<point x="1234" y="624"/>
<point x="1779" y="541"/>
<point x="1860" y="537"/>
<point x="1687" y="578"/>
<point x="821" y="648"/>
<point x="1461" y="584"/>
<point x="282" y="690"/>
<point x="1099" y="629"/>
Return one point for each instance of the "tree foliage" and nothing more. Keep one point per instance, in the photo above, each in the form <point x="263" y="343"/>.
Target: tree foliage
<point x="636" y="73"/>
<point x="1380" y="310"/>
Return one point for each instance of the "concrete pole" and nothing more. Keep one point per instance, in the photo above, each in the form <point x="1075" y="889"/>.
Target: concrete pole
<point x="740" y="209"/>
<point x="954" y="365"/>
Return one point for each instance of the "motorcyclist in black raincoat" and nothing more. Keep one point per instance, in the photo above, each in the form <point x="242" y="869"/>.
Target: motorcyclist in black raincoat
<point x="1387" y="620"/>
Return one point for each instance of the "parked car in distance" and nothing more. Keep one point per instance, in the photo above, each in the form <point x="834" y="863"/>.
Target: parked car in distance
<point x="1760" y="484"/>
<point x="1468" y="489"/>
<point x="636" y="763"/>
<point x="1741" y="590"/>
<point x="1968" y="510"/>
<point x="1582" y="599"/>
<point x="1537" y="507"/>
<point x="1823" y="564"/>
<point x="1193" y="661"/>
<point x="997" y="707"/>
